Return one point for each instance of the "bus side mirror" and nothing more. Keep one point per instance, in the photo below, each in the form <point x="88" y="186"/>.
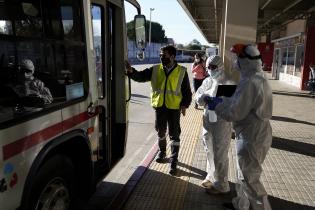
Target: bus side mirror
<point x="140" y="35"/>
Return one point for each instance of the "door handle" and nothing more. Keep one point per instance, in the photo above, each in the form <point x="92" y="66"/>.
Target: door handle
<point x="91" y="109"/>
<point x="129" y="89"/>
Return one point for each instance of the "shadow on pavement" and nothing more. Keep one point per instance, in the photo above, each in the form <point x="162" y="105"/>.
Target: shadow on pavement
<point x="287" y="119"/>
<point x="280" y="204"/>
<point x="139" y="96"/>
<point x="194" y="172"/>
<point x="102" y="198"/>
<point x="158" y="190"/>
<point x="297" y="94"/>
<point x="293" y="146"/>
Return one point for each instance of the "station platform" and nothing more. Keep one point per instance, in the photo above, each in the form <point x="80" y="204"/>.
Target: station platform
<point x="288" y="171"/>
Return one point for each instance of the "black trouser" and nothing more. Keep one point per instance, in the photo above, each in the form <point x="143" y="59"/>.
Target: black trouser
<point x="197" y="83"/>
<point x="170" y="117"/>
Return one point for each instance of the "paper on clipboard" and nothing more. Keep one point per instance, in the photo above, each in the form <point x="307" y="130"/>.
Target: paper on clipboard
<point x="226" y="90"/>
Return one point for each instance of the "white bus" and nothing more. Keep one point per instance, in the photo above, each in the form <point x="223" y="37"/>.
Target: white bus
<point x="187" y="56"/>
<point x="57" y="144"/>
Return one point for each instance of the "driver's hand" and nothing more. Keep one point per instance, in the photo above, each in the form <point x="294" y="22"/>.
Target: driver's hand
<point x="128" y="67"/>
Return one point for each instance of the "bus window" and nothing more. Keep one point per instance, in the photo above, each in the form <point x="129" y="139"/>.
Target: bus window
<point x="98" y="39"/>
<point x="28" y="22"/>
<point x="5" y="27"/>
<point x="50" y="36"/>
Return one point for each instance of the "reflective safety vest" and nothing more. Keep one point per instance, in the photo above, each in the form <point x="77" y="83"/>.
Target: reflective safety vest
<point x="167" y="89"/>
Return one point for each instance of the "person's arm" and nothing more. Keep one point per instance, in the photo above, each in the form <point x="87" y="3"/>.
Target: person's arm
<point x="200" y="93"/>
<point x="186" y="92"/>
<point x="139" y="76"/>
<point x="44" y="92"/>
<point x="193" y="69"/>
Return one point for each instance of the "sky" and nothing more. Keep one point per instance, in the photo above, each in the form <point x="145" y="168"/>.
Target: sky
<point x="171" y="16"/>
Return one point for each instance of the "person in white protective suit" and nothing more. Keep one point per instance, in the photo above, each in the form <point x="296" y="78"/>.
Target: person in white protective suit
<point x="216" y="131"/>
<point x="250" y="109"/>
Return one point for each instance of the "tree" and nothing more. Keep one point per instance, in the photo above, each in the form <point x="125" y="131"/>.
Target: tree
<point x="194" y="45"/>
<point x="180" y="46"/>
<point x="195" y="42"/>
<point x="157" y="32"/>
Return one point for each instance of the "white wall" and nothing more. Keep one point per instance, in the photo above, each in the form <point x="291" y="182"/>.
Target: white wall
<point x="295" y="27"/>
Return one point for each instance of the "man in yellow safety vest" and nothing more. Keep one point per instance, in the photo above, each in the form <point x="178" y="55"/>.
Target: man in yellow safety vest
<point x="171" y="95"/>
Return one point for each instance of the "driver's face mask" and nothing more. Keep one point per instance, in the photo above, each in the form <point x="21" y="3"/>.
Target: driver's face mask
<point x="28" y="74"/>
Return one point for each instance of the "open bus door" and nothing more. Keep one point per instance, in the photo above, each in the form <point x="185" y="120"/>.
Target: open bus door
<point x="112" y="103"/>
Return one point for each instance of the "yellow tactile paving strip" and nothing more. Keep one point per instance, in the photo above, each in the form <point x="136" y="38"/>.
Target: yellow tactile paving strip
<point x="157" y="189"/>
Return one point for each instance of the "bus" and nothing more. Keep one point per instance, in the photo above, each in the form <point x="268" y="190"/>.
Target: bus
<point x="184" y="55"/>
<point x="63" y="98"/>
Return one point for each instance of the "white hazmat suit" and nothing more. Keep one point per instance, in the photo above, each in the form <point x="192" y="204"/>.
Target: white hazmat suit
<point x="216" y="131"/>
<point x="250" y="109"/>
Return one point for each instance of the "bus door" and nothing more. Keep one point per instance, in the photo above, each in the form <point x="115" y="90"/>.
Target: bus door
<point x="100" y="25"/>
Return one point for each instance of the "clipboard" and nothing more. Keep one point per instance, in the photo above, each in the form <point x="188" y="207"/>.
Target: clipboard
<point x="226" y="90"/>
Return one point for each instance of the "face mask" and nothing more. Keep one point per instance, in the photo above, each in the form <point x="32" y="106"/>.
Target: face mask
<point x="215" y="74"/>
<point x="28" y="75"/>
<point x="197" y="60"/>
<point x="165" y="61"/>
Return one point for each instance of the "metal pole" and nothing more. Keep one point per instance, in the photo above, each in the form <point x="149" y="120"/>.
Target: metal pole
<point x="151" y="9"/>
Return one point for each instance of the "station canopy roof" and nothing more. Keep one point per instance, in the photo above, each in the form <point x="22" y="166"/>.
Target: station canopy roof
<point x="272" y="14"/>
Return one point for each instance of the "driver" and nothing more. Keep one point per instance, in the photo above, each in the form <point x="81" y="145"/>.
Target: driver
<point x="29" y="86"/>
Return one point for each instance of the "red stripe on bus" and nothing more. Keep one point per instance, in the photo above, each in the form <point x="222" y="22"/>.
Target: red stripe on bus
<point x="27" y="142"/>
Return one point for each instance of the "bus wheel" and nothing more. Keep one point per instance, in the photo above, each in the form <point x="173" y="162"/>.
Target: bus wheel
<point x="54" y="185"/>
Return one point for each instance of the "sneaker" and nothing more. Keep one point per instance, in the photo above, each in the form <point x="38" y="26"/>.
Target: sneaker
<point x="173" y="169"/>
<point x="206" y="183"/>
<point x="160" y="157"/>
<point x="212" y="190"/>
<point x="228" y="206"/>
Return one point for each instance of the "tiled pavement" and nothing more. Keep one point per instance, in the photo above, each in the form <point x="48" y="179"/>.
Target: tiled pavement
<point x="289" y="169"/>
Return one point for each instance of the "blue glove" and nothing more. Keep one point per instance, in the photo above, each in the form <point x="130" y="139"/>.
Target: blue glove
<point x="207" y="99"/>
<point x="214" y="101"/>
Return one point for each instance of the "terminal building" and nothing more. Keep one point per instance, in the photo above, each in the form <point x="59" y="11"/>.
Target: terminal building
<point x="284" y="31"/>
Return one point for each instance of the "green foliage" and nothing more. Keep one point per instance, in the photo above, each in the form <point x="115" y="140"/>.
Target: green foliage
<point x="131" y="31"/>
<point x="194" y="45"/>
<point x="157" y="32"/>
<point x="195" y="42"/>
<point x="180" y="46"/>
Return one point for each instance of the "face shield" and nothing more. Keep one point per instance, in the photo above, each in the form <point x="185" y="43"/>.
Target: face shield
<point x="216" y="74"/>
<point x="236" y="63"/>
<point x="27" y="68"/>
<point x="244" y="54"/>
<point x="214" y="66"/>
